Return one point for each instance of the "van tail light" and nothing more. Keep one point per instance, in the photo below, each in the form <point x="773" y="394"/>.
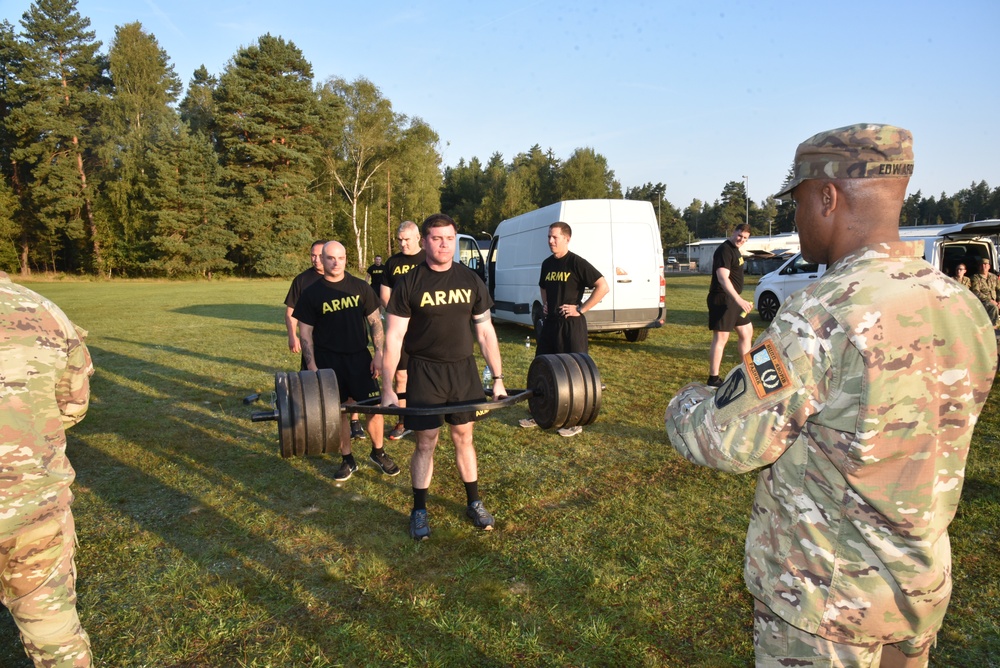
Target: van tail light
<point x="663" y="289"/>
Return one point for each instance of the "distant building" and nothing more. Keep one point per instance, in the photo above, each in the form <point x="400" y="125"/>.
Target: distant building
<point x="758" y="250"/>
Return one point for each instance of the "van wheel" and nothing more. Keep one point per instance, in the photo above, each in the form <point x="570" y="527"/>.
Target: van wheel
<point x="767" y="306"/>
<point x="536" y="319"/>
<point x="636" y="335"/>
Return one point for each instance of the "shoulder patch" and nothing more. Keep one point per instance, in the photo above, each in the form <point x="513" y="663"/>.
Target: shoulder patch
<point x="731" y="390"/>
<point x="767" y="371"/>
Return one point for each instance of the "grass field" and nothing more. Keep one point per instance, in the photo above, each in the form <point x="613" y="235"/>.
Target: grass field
<point x="200" y="546"/>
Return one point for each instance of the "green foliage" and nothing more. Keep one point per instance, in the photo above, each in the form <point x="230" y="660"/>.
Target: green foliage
<point x="58" y="80"/>
<point x="266" y="116"/>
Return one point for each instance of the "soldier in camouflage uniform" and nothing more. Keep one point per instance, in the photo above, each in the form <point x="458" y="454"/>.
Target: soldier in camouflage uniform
<point x="984" y="285"/>
<point x="44" y="388"/>
<point x="858" y="405"/>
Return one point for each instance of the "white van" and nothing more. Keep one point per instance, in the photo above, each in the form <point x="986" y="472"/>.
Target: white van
<point x="621" y="238"/>
<point x="944" y="247"/>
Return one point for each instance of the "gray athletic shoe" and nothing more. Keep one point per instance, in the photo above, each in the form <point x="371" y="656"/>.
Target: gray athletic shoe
<point x="480" y="517"/>
<point x="384" y="462"/>
<point x="398" y="432"/>
<point x="419" y="528"/>
<point x="570" y="431"/>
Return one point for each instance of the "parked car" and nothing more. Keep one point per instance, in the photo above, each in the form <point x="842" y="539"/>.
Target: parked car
<point x="671" y="260"/>
<point x="944" y="247"/>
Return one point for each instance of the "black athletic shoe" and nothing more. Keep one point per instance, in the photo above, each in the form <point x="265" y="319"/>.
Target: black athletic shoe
<point x="384" y="462"/>
<point x="419" y="528"/>
<point x="345" y="471"/>
<point x="714" y="381"/>
<point x="357" y="431"/>
<point x="480" y="517"/>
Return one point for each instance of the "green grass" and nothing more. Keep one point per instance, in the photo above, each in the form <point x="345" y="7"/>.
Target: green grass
<point x="200" y="546"/>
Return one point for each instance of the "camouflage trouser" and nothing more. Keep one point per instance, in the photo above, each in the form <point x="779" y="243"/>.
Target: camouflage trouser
<point x="778" y="644"/>
<point x="38" y="586"/>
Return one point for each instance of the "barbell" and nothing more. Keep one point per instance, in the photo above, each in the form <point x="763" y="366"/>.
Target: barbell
<point x="564" y="390"/>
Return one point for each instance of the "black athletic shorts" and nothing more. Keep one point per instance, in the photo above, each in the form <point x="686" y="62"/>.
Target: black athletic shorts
<point x="562" y="335"/>
<point x="437" y="383"/>
<point x="354" y="374"/>
<point x="724" y="314"/>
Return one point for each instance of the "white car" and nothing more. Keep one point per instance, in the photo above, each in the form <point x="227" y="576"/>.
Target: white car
<point x="944" y="247"/>
<point x="773" y="288"/>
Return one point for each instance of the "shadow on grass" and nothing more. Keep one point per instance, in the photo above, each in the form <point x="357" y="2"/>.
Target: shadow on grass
<point x="147" y="474"/>
<point x="264" y="313"/>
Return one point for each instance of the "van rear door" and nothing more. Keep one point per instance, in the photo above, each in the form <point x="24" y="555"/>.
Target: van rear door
<point x="634" y="278"/>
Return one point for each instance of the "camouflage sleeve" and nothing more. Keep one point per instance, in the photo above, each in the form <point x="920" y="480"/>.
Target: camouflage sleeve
<point x="761" y="407"/>
<point x="73" y="386"/>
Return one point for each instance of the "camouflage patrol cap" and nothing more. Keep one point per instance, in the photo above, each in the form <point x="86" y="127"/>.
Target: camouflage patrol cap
<point x="865" y="150"/>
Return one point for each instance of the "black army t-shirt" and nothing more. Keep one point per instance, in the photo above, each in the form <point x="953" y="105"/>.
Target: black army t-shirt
<point x="440" y="306"/>
<point x="398" y="266"/>
<point x="727" y="255"/>
<point x="299" y="284"/>
<point x="565" y="278"/>
<point x="338" y="313"/>
<point x="375" y="271"/>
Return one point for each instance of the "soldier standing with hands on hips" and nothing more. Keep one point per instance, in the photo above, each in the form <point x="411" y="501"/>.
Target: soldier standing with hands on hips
<point x="857" y="406"/>
<point x="562" y="280"/>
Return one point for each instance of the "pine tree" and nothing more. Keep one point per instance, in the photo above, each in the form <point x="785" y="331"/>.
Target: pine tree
<point x="137" y="119"/>
<point x="266" y="117"/>
<point x="60" y="84"/>
<point x="190" y="237"/>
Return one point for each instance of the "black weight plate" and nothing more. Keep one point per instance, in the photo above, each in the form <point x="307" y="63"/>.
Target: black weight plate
<point x="297" y="415"/>
<point x="577" y="389"/>
<point x="312" y="404"/>
<point x="581" y="362"/>
<point x="284" y="414"/>
<point x="594" y="386"/>
<point x="549" y="404"/>
<point x="329" y="393"/>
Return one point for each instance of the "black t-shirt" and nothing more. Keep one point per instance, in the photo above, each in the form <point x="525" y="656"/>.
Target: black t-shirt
<point x="440" y="306"/>
<point x="300" y="283"/>
<point x="727" y="255"/>
<point x="398" y="266"/>
<point x="564" y="280"/>
<point x="375" y="271"/>
<point x="338" y="313"/>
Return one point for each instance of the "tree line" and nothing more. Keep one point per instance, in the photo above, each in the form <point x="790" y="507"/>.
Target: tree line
<point x="107" y="170"/>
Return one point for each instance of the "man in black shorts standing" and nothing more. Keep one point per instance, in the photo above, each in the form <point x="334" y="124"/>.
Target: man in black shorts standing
<point x="409" y="256"/>
<point x="299" y="284"/>
<point x="563" y="278"/>
<point x="332" y="316"/>
<point x="429" y="315"/>
<point x="727" y="310"/>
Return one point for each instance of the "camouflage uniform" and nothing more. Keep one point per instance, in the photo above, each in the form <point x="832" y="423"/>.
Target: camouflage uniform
<point x="44" y="388"/>
<point x="986" y="288"/>
<point x="858" y="405"/>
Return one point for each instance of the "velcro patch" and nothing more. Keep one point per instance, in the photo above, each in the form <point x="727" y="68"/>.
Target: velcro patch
<point x="767" y="371"/>
<point x="731" y="390"/>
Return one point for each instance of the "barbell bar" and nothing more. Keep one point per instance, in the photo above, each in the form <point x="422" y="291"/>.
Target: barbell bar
<point x="564" y="390"/>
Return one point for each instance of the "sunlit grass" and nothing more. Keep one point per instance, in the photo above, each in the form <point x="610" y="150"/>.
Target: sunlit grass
<point x="200" y="546"/>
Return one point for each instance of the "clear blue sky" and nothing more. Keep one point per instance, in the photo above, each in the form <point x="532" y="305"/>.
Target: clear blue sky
<point x="693" y="94"/>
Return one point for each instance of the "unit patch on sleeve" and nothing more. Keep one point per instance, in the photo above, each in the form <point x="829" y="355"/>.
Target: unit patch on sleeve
<point x="767" y="371"/>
